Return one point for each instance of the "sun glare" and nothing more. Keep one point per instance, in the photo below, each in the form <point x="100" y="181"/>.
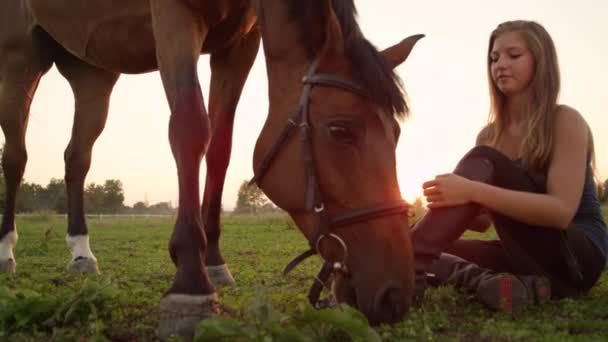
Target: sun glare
<point x="410" y="183"/>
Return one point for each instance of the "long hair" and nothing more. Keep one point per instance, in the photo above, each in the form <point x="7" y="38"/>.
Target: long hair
<point x="543" y="90"/>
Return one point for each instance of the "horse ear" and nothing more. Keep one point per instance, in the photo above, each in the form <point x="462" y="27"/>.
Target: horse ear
<point x="399" y="52"/>
<point x="334" y="40"/>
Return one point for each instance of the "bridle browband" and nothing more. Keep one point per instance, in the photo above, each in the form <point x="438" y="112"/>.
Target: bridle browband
<point x="314" y="200"/>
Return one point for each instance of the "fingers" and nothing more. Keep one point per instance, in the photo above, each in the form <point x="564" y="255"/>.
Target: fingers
<point x="431" y="191"/>
<point x="435" y="181"/>
<point x="434" y="198"/>
<point x="429" y="184"/>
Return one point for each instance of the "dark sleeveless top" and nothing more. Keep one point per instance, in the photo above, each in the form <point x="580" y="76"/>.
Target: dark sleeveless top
<point x="589" y="217"/>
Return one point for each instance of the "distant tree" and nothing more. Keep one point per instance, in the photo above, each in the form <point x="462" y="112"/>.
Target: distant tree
<point x="417" y="207"/>
<point x="55" y="197"/>
<point x="140" y="208"/>
<point x="269" y="207"/>
<point x="113" y="196"/>
<point x="29" y="198"/>
<point x="93" y="198"/>
<point x="250" y="198"/>
<point x="161" y="208"/>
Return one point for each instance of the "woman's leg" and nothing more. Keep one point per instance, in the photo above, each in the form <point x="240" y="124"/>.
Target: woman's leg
<point x="567" y="258"/>
<point x="486" y="254"/>
<point x="439" y="228"/>
<point x="482" y="268"/>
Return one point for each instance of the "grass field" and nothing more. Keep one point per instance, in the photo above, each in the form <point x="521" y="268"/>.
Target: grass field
<point x="43" y="302"/>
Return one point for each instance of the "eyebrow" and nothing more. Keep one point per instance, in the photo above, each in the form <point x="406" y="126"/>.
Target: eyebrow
<point x="509" y="49"/>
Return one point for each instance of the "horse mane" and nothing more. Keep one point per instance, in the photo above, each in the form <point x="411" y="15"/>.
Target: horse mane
<point x="373" y="72"/>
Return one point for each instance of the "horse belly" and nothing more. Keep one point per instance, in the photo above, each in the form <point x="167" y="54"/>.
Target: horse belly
<point x="123" y="46"/>
<point x="112" y="34"/>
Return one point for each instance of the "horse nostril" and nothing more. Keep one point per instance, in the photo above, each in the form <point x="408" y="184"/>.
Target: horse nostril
<point x="391" y="304"/>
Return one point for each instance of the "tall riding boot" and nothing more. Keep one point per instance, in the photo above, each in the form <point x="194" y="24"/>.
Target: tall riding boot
<point x="500" y="291"/>
<point x="440" y="227"/>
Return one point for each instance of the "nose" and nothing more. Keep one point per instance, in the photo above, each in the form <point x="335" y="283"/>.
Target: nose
<point x="390" y="305"/>
<point x="501" y="64"/>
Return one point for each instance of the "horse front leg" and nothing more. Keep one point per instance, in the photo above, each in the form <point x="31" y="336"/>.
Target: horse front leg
<point x="92" y="88"/>
<point x="19" y="77"/>
<point x="229" y="70"/>
<point x="179" y="36"/>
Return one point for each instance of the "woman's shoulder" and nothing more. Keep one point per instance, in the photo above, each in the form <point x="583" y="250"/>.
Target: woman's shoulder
<point x="484" y="136"/>
<point x="569" y="118"/>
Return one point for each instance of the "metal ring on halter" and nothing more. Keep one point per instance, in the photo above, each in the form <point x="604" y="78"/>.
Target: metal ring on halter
<point x="319" y="207"/>
<point x="335" y="237"/>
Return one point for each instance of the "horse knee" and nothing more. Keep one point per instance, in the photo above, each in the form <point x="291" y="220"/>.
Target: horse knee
<point x="13" y="161"/>
<point x="77" y="163"/>
<point x="189" y="136"/>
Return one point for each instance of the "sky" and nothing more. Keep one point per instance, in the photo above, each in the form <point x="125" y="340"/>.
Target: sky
<point x="445" y="78"/>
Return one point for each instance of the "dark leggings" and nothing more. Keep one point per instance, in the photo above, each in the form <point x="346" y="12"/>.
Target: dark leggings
<point x="568" y="258"/>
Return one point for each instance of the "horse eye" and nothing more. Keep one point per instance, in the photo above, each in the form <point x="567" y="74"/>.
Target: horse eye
<point x="341" y="134"/>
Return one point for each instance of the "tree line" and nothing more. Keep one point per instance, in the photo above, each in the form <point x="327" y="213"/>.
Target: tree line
<point x="251" y="200"/>
<point x="98" y="199"/>
<point x="106" y="198"/>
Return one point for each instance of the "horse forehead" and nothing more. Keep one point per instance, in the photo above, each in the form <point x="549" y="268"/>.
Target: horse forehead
<point x="345" y="102"/>
<point x="337" y="99"/>
<point x="389" y="124"/>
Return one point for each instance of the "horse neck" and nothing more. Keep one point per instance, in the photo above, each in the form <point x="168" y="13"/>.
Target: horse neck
<point x="286" y="60"/>
<point x="279" y="32"/>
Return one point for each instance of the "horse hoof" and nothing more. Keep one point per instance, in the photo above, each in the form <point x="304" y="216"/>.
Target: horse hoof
<point x="83" y="265"/>
<point x="8" y="266"/>
<point x="220" y="275"/>
<point x="180" y="313"/>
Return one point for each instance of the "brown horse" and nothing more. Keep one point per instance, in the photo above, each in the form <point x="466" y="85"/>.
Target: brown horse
<point x="336" y="176"/>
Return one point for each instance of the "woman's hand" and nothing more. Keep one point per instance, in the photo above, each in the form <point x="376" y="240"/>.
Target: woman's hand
<point x="448" y="190"/>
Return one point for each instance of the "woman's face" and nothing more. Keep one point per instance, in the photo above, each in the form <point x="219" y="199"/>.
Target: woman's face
<point x="512" y="64"/>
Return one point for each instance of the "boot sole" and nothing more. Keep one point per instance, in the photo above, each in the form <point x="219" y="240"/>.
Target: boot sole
<point x="509" y="294"/>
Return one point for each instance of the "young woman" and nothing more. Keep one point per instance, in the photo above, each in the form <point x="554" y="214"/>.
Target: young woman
<point x="531" y="174"/>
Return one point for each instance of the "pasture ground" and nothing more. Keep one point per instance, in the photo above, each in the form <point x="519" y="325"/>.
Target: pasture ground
<point x="43" y="302"/>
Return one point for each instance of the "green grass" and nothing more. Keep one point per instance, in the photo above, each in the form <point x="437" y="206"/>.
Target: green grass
<point x="43" y="302"/>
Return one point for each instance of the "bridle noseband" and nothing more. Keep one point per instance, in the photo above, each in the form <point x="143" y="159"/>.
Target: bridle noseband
<point x="314" y="200"/>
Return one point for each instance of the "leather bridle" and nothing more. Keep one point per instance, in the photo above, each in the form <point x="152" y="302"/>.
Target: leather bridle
<point x="314" y="199"/>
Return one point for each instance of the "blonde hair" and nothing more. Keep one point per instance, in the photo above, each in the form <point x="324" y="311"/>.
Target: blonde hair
<point x="544" y="90"/>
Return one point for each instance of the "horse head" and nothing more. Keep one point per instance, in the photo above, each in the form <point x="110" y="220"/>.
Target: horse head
<point x="326" y="153"/>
